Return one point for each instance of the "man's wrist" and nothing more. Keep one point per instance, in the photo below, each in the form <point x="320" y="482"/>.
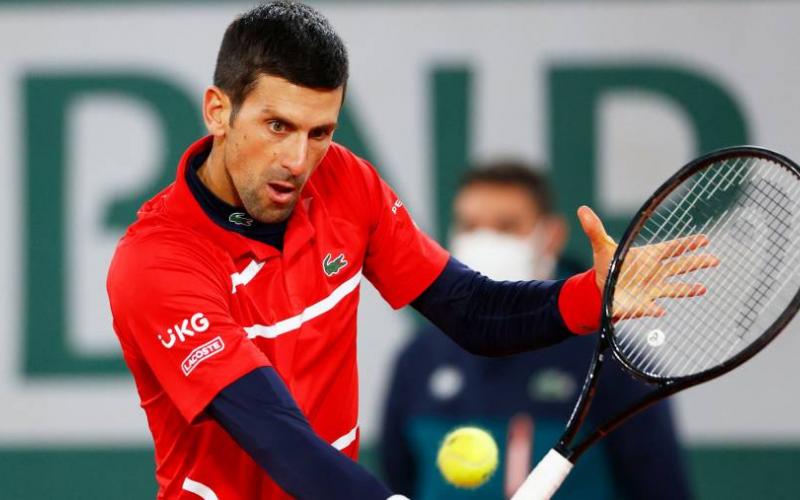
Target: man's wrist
<point x="579" y="303"/>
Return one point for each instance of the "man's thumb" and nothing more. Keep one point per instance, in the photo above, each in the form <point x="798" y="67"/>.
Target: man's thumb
<point x="593" y="227"/>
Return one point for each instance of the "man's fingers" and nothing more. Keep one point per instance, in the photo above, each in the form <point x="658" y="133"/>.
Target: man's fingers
<point x="679" y="290"/>
<point x="673" y="248"/>
<point x="688" y="263"/>
<point x="637" y="310"/>
<point x="593" y="227"/>
<point x="636" y="305"/>
<point x="654" y="310"/>
<point x="637" y="293"/>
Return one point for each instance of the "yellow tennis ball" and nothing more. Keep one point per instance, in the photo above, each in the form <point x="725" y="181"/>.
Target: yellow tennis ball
<point x="467" y="457"/>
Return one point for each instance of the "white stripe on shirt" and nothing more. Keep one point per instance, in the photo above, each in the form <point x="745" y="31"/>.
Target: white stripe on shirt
<point x="309" y="313"/>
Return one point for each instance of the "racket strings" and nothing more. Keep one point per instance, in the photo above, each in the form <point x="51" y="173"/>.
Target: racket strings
<point x="776" y="242"/>
<point x="747" y="207"/>
<point x="712" y="350"/>
<point x="669" y="225"/>
<point x="738" y="257"/>
<point x="777" y="247"/>
<point x="680" y="226"/>
<point x="703" y="357"/>
<point x="675" y="221"/>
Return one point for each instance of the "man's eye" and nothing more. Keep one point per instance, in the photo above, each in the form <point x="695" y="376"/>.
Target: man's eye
<point x="277" y="126"/>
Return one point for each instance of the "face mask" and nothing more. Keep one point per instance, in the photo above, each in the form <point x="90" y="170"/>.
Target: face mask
<point x="502" y="256"/>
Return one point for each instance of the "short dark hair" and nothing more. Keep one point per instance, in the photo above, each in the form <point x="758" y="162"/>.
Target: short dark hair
<point x="284" y="39"/>
<point x="514" y="173"/>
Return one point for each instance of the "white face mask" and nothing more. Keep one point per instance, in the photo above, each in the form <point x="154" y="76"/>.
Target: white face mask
<point x="501" y="256"/>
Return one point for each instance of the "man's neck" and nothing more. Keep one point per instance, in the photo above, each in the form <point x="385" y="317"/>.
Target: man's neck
<point x="215" y="177"/>
<point x="225" y="214"/>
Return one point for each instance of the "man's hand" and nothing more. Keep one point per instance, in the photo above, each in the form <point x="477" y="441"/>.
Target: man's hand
<point x="646" y="269"/>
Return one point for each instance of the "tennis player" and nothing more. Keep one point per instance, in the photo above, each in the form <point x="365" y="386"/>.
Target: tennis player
<point x="234" y="294"/>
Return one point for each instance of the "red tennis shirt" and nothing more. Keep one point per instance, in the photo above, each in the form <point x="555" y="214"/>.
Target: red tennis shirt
<point x="197" y="306"/>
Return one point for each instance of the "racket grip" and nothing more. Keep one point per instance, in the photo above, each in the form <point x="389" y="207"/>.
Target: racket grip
<point x="545" y="479"/>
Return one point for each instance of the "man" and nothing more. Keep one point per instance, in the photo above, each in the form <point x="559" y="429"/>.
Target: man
<point x="505" y="227"/>
<point x="234" y="294"/>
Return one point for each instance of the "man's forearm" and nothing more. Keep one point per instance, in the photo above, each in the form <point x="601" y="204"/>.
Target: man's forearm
<point x="260" y="414"/>
<point x="497" y="318"/>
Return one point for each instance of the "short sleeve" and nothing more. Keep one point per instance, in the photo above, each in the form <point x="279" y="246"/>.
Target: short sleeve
<point x="401" y="260"/>
<point x="170" y="303"/>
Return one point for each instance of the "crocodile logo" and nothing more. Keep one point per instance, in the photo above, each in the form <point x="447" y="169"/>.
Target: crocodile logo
<point x="240" y="219"/>
<point x="333" y="266"/>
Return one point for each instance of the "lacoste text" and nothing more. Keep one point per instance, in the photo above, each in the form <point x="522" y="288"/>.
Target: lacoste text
<point x="202" y="353"/>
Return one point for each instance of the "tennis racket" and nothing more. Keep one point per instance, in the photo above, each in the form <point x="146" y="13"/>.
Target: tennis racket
<point x="740" y="205"/>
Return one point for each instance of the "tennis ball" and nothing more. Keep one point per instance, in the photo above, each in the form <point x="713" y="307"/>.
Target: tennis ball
<point x="467" y="457"/>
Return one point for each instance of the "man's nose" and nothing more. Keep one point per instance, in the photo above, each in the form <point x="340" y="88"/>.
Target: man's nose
<point x="295" y="154"/>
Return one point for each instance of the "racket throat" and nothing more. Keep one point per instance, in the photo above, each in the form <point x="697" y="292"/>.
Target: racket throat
<point x="584" y="399"/>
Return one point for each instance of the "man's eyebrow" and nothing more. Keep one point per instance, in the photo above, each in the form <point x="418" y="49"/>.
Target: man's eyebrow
<point x="327" y="126"/>
<point x="266" y="110"/>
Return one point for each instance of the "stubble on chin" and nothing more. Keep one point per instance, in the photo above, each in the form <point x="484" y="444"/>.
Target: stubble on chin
<point x="263" y="212"/>
<point x="274" y="215"/>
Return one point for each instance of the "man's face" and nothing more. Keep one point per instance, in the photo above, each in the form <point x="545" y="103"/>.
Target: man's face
<point x="504" y="208"/>
<point x="279" y="135"/>
<point x="501" y="231"/>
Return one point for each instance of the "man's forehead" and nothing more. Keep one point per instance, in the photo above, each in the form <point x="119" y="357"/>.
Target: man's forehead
<point x="272" y="94"/>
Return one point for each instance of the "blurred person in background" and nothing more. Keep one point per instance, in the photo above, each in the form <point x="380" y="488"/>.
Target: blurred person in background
<point x="506" y="228"/>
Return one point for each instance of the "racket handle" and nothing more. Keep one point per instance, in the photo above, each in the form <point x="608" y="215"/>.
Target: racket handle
<point x="545" y="479"/>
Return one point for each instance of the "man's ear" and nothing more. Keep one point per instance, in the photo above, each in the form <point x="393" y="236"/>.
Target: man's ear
<point x="216" y="111"/>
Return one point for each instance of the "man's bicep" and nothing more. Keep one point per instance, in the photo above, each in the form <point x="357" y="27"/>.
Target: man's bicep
<point x="177" y="315"/>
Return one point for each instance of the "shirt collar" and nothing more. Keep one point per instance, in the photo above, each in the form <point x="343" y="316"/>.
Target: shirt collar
<point x="227" y="216"/>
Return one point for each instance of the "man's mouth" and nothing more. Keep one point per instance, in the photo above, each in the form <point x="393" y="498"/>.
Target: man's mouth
<point x="280" y="192"/>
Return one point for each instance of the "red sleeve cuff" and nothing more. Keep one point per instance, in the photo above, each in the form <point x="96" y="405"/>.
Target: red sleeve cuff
<point x="579" y="303"/>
